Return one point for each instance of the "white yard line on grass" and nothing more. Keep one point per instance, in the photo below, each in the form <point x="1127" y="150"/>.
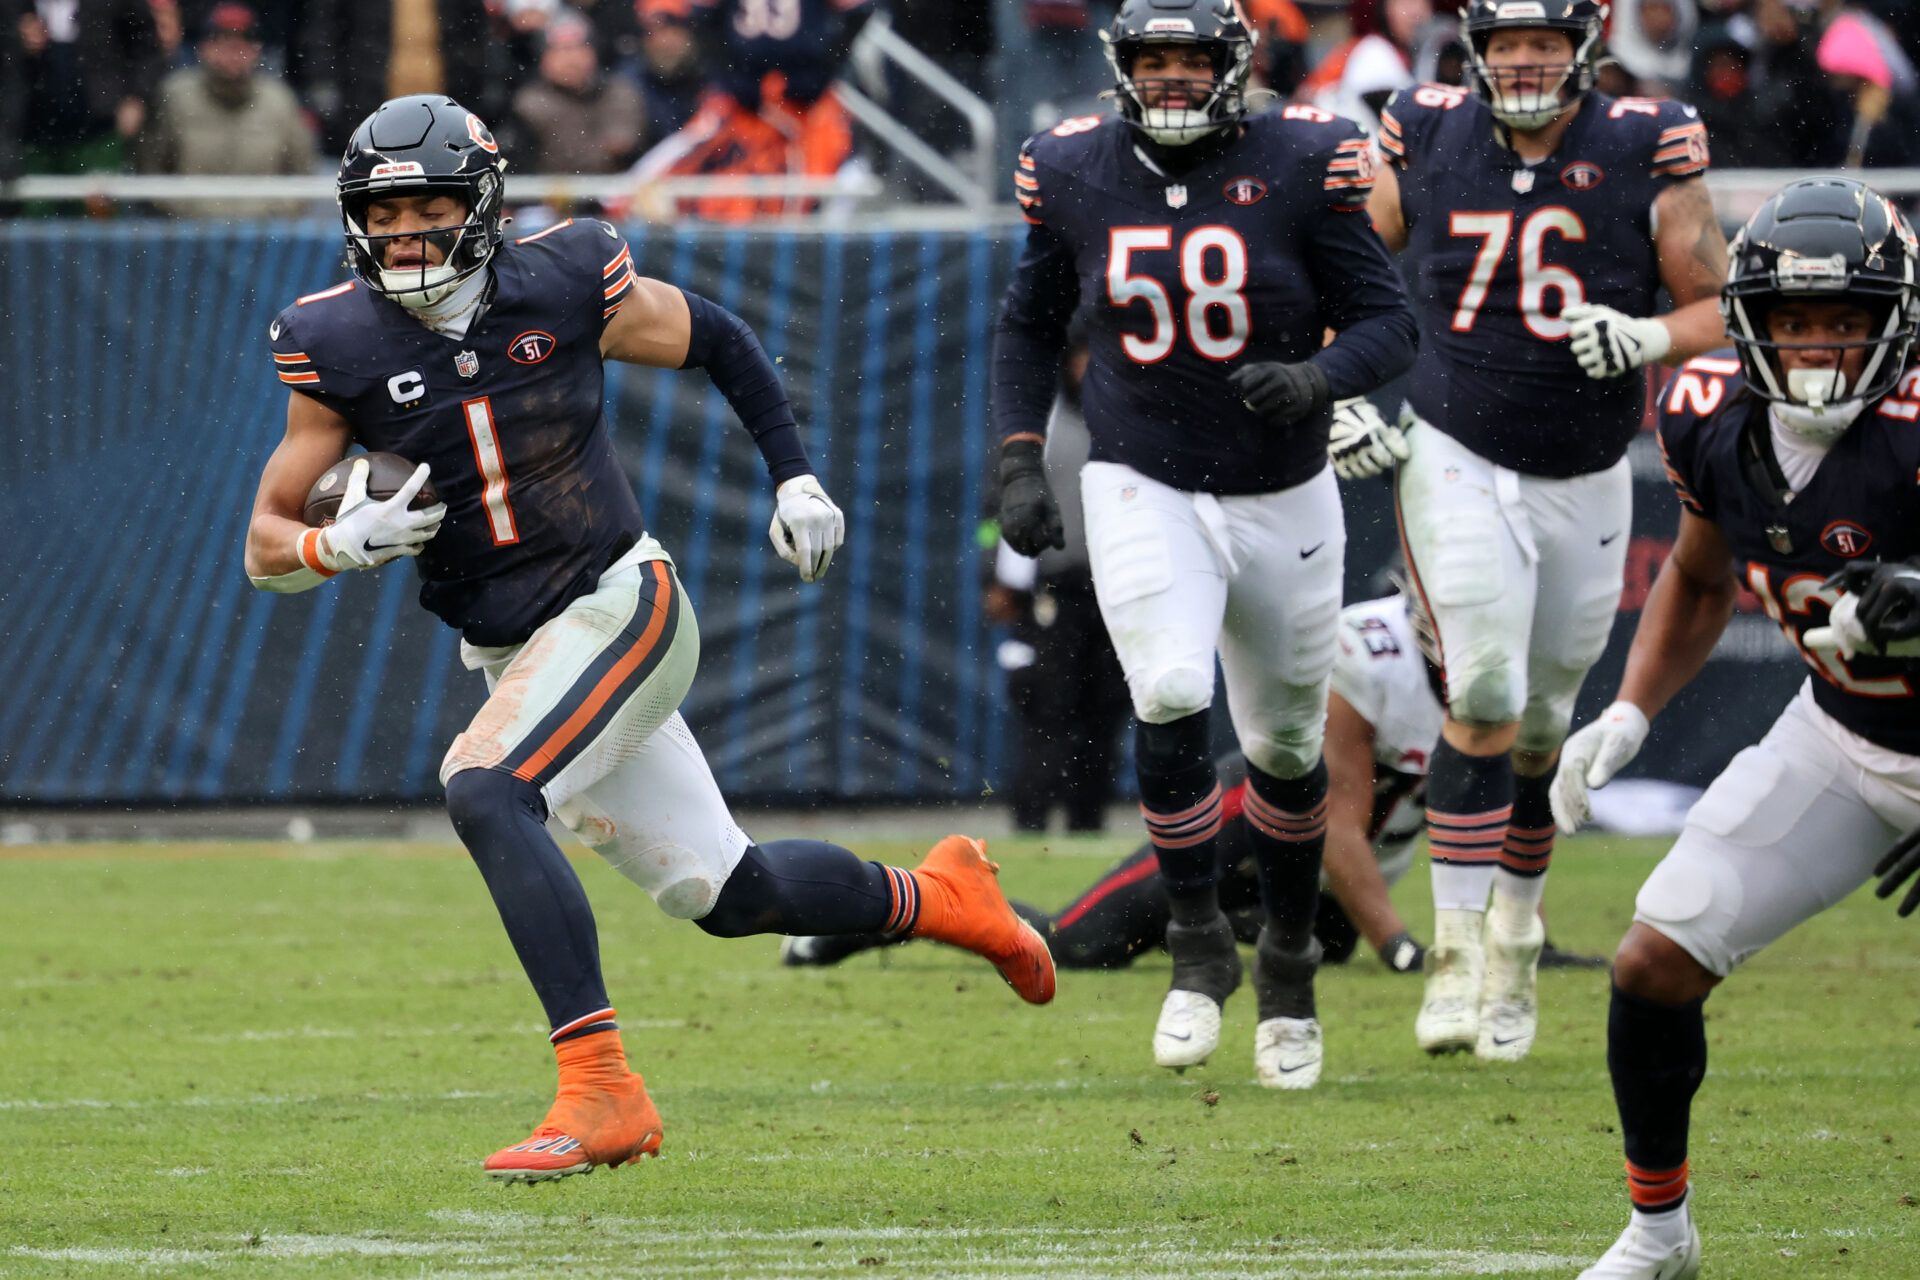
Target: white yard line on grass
<point x="257" y="1100"/>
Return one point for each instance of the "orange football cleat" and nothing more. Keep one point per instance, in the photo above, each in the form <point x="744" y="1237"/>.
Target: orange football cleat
<point x="961" y="904"/>
<point x="602" y="1115"/>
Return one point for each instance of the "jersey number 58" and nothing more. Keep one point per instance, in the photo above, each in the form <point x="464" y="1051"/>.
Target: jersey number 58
<point x="1213" y="272"/>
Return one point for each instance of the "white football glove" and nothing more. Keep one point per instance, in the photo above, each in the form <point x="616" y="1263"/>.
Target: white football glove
<point x="807" y="528"/>
<point x="1362" y="443"/>
<point x="1608" y="343"/>
<point x="1590" y="758"/>
<point x="1844" y="631"/>
<point x="367" y="534"/>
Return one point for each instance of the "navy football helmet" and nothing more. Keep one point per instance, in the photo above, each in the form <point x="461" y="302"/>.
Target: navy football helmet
<point x="1824" y="239"/>
<point x="1583" y="20"/>
<point x="1214" y="25"/>
<point x="425" y="144"/>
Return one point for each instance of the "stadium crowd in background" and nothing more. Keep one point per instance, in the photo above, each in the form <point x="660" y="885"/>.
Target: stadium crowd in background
<point x="744" y="86"/>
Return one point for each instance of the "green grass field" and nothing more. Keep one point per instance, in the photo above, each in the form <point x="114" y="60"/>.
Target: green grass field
<point x="290" y="1060"/>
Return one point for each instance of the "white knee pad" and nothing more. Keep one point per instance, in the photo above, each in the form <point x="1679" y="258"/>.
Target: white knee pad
<point x="683" y="882"/>
<point x="1161" y="697"/>
<point x="1485" y="686"/>
<point x="1288" y="751"/>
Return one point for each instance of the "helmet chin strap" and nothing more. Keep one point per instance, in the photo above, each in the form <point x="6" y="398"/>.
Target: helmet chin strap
<point x="1819" y="410"/>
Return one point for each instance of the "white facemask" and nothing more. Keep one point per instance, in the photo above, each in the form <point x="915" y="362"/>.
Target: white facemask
<point x="1526" y="108"/>
<point x="1819" y="411"/>
<point x="1176" y="126"/>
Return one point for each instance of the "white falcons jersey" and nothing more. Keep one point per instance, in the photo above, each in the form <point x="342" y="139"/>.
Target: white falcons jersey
<point x="1382" y="675"/>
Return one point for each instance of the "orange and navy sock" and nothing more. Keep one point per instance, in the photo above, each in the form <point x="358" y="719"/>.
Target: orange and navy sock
<point x="1181" y="804"/>
<point x="1657" y="1056"/>
<point x="1655" y="1191"/>
<point x="1469" y="804"/>
<point x="596" y="1023"/>
<point x="1521" y="880"/>
<point x="811" y="888"/>
<point x="1287" y="830"/>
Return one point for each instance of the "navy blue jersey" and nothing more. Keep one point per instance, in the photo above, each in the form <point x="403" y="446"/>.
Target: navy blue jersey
<point x="1863" y="502"/>
<point x="1501" y="248"/>
<point x="804" y="40"/>
<point x="1250" y="255"/>
<point x="509" y="417"/>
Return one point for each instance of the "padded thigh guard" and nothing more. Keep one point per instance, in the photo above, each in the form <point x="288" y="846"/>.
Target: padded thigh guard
<point x="1792" y="826"/>
<point x="1522" y="575"/>
<point x="590" y="686"/>
<point x="1470" y="570"/>
<point x="1161" y="586"/>
<point x="660" y="821"/>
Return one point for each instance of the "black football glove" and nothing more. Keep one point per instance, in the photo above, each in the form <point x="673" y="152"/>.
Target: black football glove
<point x="1281" y="393"/>
<point x="1029" y="516"/>
<point x="1889" y="597"/>
<point x="1897" y="868"/>
<point x="1402" y="954"/>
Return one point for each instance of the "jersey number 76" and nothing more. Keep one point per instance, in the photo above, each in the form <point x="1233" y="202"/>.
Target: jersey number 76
<point x="1537" y="277"/>
<point x="1212" y="263"/>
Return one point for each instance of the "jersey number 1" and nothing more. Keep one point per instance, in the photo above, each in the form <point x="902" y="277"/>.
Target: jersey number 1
<point x="1208" y="291"/>
<point x="1537" y="278"/>
<point x="492" y="462"/>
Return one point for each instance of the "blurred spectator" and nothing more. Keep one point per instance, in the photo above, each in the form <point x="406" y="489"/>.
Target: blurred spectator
<point x="1653" y="41"/>
<point x="1280" y="58"/>
<point x="351" y="55"/>
<point x="1877" y="85"/>
<point x="770" y="109"/>
<point x="91" y="66"/>
<point x="227" y="116"/>
<point x="956" y="34"/>
<point x="13" y="100"/>
<point x="1358" y="77"/>
<point x="1740" y="116"/>
<point x="573" y="118"/>
<point x="1800" y="108"/>
<point x="668" y="66"/>
<point x="1441" y="55"/>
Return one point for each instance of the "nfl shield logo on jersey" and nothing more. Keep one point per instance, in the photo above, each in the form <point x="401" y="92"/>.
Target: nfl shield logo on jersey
<point x="1177" y="196"/>
<point x="466" y="364"/>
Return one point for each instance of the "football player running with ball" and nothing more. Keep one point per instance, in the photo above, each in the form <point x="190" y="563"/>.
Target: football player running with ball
<point x="1793" y="464"/>
<point x="1541" y="219"/>
<point x="1212" y="251"/>
<point x="483" y="361"/>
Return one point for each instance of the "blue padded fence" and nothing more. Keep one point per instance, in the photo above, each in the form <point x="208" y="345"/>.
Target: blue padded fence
<point x="140" y="667"/>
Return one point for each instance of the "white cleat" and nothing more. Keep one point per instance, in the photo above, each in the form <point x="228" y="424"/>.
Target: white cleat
<point x="1287" y="1053"/>
<point x="1449" y="1018"/>
<point x="1509" y="1009"/>
<point x="1188" y="1031"/>
<point x="1641" y="1255"/>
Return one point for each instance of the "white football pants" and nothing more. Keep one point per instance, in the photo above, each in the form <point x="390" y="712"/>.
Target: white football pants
<point x="1521" y="574"/>
<point x="1791" y="826"/>
<point x="587" y="707"/>
<point x="1255" y="578"/>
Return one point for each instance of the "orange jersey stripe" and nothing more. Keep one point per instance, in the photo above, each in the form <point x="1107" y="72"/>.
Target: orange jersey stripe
<point x="609" y="683"/>
<point x="297" y="357"/>
<point x="298" y="379"/>
<point x="558" y="226"/>
<point x="324" y="294"/>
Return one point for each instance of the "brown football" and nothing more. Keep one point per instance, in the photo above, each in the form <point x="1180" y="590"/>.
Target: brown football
<point x="386" y="473"/>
